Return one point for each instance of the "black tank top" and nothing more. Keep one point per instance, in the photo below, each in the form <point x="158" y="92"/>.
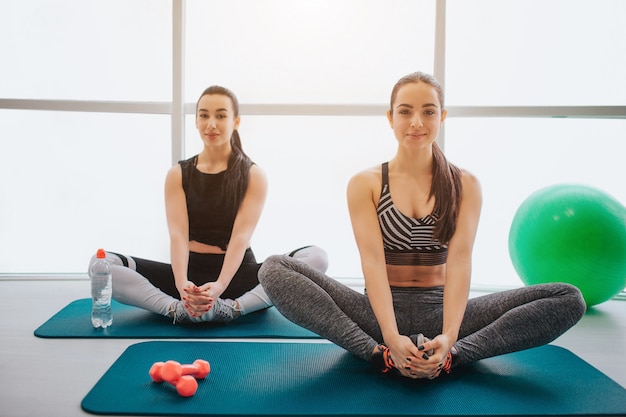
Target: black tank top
<point x="208" y="223"/>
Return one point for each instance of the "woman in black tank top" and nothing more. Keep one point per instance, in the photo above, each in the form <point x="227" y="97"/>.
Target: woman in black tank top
<point x="213" y="202"/>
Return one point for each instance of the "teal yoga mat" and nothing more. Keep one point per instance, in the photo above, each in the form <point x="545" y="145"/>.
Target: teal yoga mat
<point x="321" y="379"/>
<point x="73" y="321"/>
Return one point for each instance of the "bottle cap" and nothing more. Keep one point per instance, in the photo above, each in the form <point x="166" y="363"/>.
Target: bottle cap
<point x="100" y="254"/>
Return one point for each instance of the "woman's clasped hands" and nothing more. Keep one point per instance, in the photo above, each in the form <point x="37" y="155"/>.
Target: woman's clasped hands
<point x="199" y="299"/>
<point x="423" y="361"/>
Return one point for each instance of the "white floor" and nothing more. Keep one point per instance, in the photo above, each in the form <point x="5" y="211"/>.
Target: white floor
<point x="50" y="377"/>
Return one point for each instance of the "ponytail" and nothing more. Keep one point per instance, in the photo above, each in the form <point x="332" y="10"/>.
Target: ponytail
<point x="446" y="188"/>
<point x="237" y="175"/>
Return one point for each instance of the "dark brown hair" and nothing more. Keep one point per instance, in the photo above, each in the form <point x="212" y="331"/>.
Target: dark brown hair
<point x="446" y="184"/>
<point x="237" y="174"/>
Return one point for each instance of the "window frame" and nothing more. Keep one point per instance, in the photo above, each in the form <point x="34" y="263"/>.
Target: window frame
<point x="178" y="108"/>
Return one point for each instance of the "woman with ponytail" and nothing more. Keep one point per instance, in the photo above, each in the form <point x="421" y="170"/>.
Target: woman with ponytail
<point x="213" y="203"/>
<point x="414" y="219"/>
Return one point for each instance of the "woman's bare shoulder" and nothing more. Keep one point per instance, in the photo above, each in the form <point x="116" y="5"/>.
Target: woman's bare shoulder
<point x="469" y="180"/>
<point x="257" y="171"/>
<point x="368" y="176"/>
<point x="174" y="174"/>
<point x="472" y="192"/>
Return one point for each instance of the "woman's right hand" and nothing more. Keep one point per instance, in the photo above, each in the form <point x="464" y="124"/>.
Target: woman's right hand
<point x="403" y="353"/>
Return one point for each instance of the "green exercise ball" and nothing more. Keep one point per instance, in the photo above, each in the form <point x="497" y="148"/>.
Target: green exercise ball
<point x="571" y="233"/>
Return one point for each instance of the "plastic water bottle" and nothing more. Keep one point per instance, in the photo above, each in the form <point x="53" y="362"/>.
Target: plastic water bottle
<point x="101" y="289"/>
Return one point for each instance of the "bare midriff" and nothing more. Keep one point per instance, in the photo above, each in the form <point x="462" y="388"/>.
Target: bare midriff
<point x="197" y="247"/>
<point x="416" y="275"/>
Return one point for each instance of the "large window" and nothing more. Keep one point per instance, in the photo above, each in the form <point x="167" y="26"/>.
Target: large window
<point x="526" y="62"/>
<point x="513" y="157"/>
<point x="74" y="182"/>
<point x="303" y="51"/>
<point x="535" y="52"/>
<point x="86" y="50"/>
<point x="93" y="111"/>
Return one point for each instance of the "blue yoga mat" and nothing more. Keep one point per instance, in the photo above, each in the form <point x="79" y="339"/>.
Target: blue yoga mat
<point x="321" y="379"/>
<point x="74" y="321"/>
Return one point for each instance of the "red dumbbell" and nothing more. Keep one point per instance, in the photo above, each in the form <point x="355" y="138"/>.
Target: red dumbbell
<point x="173" y="370"/>
<point x="186" y="385"/>
<point x="155" y="371"/>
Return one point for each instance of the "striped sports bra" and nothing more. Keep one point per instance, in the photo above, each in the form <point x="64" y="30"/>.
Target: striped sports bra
<point x="407" y="241"/>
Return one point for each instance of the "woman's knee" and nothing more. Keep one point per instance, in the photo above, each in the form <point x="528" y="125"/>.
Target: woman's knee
<point x="572" y="298"/>
<point x="578" y="305"/>
<point x="271" y="269"/>
<point x="112" y="258"/>
<point x="313" y="256"/>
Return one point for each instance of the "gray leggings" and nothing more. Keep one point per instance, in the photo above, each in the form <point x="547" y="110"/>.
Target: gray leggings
<point x="493" y="324"/>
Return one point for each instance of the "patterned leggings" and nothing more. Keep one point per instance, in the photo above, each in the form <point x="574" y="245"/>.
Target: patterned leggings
<point x="493" y="324"/>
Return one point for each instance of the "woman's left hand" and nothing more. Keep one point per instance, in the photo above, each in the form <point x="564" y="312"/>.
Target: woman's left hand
<point x="213" y="289"/>
<point x="440" y="345"/>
